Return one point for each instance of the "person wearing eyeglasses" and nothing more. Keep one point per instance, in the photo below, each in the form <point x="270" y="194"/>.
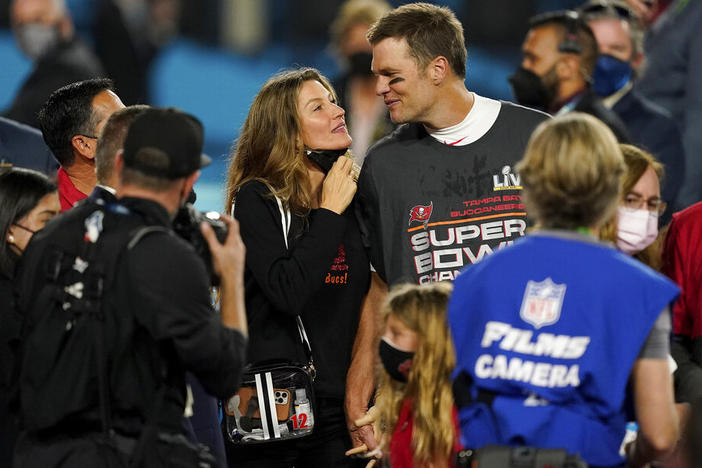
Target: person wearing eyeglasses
<point x="71" y="121"/>
<point x="620" y="35"/>
<point x="634" y="229"/>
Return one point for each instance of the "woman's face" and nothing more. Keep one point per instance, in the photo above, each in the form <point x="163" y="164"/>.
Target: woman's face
<point x="646" y="193"/>
<point x="22" y="230"/>
<point x="400" y="334"/>
<point x="321" y="120"/>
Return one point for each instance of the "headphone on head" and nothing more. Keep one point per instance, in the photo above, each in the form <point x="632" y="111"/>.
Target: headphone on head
<point x="570" y="44"/>
<point x="571" y="20"/>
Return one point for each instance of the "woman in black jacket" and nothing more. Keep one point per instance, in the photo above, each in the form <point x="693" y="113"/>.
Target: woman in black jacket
<point x="292" y="191"/>
<point x="28" y="199"/>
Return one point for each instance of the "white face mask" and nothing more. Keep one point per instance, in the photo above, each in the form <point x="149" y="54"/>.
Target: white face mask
<point x="636" y="230"/>
<point x="36" y="39"/>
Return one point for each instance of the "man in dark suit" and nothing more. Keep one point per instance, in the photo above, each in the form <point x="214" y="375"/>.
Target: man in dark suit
<point x="620" y="39"/>
<point x="559" y="55"/>
<point x="44" y="32"/>
<point x="23" y="146"/>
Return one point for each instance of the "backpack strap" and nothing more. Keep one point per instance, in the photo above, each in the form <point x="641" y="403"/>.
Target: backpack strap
<point x="150" y="431"/>
<point x="94" y="291"/>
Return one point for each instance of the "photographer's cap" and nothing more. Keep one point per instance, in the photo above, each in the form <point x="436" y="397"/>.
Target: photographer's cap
<point x="165" y="142"/>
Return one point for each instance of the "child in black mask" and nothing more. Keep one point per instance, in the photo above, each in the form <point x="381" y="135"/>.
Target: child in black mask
<point x="416" y="417"/>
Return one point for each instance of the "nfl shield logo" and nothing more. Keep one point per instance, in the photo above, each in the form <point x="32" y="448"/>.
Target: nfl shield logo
<point x="542" y="302"/>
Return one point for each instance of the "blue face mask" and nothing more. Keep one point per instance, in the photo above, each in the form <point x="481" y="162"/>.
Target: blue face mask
<point x="610" y="75"/>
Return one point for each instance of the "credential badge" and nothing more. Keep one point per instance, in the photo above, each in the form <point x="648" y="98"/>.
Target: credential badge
<point x="542" y="302"/>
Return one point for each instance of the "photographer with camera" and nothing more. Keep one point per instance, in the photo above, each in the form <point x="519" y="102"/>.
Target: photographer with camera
<point x="124" y="312"/>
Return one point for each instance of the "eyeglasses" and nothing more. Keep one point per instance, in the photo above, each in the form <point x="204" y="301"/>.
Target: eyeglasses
<point x="609" y="7"/>
<point x="635" y="202"/>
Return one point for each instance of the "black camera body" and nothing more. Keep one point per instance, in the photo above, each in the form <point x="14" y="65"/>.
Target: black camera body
<point x="187" y="225"/>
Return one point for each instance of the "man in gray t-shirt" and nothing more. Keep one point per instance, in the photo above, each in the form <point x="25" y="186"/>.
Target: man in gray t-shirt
<point x="440" y="192"/>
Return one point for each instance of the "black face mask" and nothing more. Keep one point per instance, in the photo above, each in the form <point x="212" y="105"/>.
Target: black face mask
<point x="360" y="64"/>
<point x="325" y="159"/>
<point x="396" y="362"/>
<point x="529" y="89"/>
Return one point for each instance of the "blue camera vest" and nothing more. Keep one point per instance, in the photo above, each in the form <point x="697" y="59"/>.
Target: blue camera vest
<point x="552" y="326"/>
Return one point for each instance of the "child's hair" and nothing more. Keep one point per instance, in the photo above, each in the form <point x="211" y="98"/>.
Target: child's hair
<point x="423" y="310"/>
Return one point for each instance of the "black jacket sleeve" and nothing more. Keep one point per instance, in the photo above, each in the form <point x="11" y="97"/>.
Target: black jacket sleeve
<point x="171" y="298"/>
<point x="288" y="277"/>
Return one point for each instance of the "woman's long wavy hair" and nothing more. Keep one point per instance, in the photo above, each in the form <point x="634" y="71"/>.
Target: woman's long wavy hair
<point x="637" y="162"/>
<point x="269" y="148"/>
<point x="423" y="310"/>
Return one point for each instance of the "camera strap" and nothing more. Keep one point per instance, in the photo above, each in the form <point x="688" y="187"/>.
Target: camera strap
<point x="285" y="221"/>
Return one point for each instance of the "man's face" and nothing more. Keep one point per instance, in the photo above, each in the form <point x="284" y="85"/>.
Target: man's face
<point x="540" y="56"/>
<point x="540" y="50"/>
<point x="613" y="37"/>
<point x="104" y="104"/>
<point x="406" y="90"/>
<point x="355" y="40"/>
<point x="45" y="12"/>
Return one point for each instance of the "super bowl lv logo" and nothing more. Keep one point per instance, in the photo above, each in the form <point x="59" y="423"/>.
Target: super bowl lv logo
<point x="507" y="180"/>
<point x="421" y="213"/>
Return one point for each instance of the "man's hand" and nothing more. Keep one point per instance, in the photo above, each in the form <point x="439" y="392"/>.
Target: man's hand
<point x="360" y="379"/>
<point x="228" y="262"/>
<point x="228" y="258"/>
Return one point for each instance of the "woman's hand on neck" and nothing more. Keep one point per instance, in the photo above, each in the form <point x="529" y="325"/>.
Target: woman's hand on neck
<point x="316" y="177"/>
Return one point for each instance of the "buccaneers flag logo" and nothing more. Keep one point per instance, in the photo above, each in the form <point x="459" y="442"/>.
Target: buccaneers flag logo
<point x="421" y="213"/>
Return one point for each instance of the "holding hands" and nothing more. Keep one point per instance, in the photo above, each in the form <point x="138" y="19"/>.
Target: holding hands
<point x="365" y="434"/>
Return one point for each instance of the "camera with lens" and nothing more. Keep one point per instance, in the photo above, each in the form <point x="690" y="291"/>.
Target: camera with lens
<point x="187" y="225"/>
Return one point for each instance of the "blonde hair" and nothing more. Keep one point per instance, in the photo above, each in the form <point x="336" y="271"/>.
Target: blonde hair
<point x="269" y="148"/>
<point x="422" y="308"/>
<point x="571" y="172"/>
<point x="637" y="162"/>
<point x="353" y="12"/>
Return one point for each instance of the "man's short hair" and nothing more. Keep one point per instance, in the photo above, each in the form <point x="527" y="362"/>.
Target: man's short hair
<point x="130" y="176"/>
<point x="619" y="10"/>
<point x="162" y="145"/>
<point x="574" y="36"/>
<point x="112" y="139"/>
<point x="430" y="31"/>
<point x="68" y="112"/>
